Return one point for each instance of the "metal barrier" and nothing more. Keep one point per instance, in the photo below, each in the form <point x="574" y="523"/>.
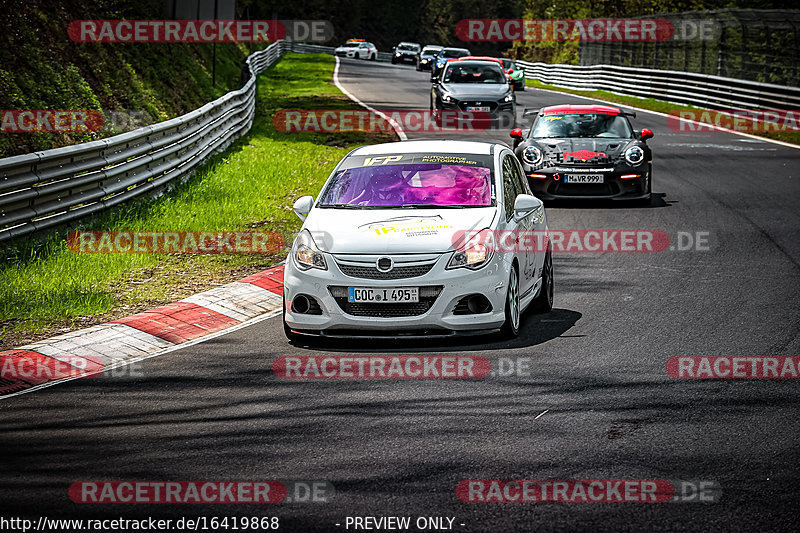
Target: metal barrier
<point x="701" y="90"/>
<point x="44" y="189"/>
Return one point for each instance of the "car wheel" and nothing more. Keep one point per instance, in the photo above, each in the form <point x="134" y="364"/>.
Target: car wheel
<point x="373" y="57"/>
<point x="394" y="61"/>
<point x="544" y="302"/>
<point x="648" y="200"/>
<point x="510" y="327"/>
<point x="419" y="68"/>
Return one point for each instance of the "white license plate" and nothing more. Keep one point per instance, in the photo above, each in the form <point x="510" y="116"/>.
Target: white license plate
<point x="388" y="295"/>
<point x="478" y="109"/>
<point x="583" y="178"/>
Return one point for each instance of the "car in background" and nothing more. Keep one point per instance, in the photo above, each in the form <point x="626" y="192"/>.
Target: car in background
<point x="444" y="55"/>
<point x="478" y="87"/>
<point x="427" y="56"/>
<point x="514" y="72"/>
<point x="405" y="53"/>
<point x="585" y="151"/>
<point x="357" y="49"/>
<point x="392" y="245"/>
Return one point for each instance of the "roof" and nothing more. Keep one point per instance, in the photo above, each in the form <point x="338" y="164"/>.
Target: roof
<point x="433" y="147"/>
<point x="478" y="58"/>
<point x="581" y="109"/>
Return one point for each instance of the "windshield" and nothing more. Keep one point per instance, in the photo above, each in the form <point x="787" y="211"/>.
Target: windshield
<point x="430" y="50"/>
<point x="350" y="45"/>
<point x="587" y="125"/>
<point x="411" y="185"/>
<point x="410" y="47"/>
<point x="453" y="53"/>
<point x="474" y="73"/>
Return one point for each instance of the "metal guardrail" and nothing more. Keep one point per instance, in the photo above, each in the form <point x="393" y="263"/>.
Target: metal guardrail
<point x="44" y="189"/>
<point x="701" y="90"/>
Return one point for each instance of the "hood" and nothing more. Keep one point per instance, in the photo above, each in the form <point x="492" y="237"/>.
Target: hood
<point x="393" y="231"/>
<point x="491" y="91"/>
<point x="574" y="151"/>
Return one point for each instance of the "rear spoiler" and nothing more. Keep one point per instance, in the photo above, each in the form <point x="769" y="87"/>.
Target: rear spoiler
<point x="631" y="114"/>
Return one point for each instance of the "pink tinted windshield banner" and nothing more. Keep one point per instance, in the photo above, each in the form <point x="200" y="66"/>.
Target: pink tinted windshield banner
<point x="397" y="185"/>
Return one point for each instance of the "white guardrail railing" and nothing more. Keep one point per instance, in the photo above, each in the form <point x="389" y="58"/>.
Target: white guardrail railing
<point x="689" y="88"/>
<point x="44" y="189"/>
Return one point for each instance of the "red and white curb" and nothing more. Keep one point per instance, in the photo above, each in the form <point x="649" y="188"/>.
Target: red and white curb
<point x="88" y="352"/>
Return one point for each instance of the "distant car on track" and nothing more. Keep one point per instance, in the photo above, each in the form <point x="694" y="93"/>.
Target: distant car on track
<point x="357" y="49"/>
<point x="474" y="86"/>
<point x="586" y="151"/>
<point x="427" y="56"/>
<point x="516" y="74"/>
<point x="388" y="246"/>
<point x="445" y="54"/>
<point x="405" y="53"/>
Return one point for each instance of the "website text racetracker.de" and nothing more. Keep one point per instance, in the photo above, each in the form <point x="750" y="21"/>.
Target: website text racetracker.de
<point x="561" y="241"/>
<point x="200" y="523"/>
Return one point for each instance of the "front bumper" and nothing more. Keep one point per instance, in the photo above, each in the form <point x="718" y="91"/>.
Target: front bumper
<point x="501" y="116"/>
<point x="440" y="318"/>
<point x="614" y="187"/>
<point x="402" y="58"/>
<point x="425" y="64"/>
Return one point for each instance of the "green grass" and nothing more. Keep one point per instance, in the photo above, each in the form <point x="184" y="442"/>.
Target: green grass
<point x="252" y="185"/>
<point x="655" y="105"/>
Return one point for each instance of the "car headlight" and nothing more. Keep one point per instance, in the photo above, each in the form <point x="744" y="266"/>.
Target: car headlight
<point x="446" y="98"/>
<point x="532" y="155"/>
<point x="508" y="97"/>
<point x="634" y="155"/>
<point x="423" y="61"/>
<point x="306" y="253"/>
<point x="475" y="255"/>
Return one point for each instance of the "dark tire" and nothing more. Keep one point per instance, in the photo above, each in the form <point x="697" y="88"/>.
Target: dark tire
<point x="373" y="57"/>
<point x="394" y="61"/>
<point x="544" y="302"/>
<point x="648" y="200"/>
<point x="510" y="328"/>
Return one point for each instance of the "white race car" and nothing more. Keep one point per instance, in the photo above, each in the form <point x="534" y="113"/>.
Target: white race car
<point x="419" y="238"/>
<point x="357" y="49"/>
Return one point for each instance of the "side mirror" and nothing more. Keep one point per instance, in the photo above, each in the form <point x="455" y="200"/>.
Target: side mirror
<point x="646" y="134"/>
<point x="516" y="134"/>
<point x="525" y="205"/>
<point x="302" y="207"/>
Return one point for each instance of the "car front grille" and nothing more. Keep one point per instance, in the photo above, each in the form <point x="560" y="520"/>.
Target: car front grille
<point x="398" y="272"/>
<point x="584" y="189"/>
<point x="477" y="103"/>
<point x="427" y="297"/>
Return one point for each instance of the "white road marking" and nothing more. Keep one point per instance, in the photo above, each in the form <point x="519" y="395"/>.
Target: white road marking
<point x="395" y="126"/>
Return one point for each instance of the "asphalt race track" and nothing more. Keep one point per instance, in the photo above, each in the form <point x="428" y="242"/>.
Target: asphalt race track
<point x="215" y="410"/>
